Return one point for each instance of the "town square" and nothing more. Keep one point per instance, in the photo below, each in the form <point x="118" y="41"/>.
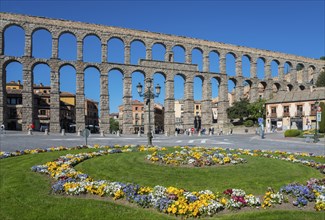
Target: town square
<point x="162" y="109"/>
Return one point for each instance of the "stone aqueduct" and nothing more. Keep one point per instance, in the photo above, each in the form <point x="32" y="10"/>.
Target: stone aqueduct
<point x="148" y="67"/>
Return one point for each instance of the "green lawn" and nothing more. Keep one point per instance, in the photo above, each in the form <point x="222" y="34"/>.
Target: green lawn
<point x="27" y="195"/>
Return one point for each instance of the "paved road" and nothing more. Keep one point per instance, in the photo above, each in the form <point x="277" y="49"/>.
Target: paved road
<point x="12" y="141"/>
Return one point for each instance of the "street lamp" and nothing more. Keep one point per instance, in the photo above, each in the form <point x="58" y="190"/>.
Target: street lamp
<point x="316" y="135"/>
<point x="148" y="95"/>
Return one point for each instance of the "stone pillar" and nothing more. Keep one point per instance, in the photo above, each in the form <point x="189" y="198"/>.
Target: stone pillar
<point x="127" y="52"/>
<point x="206" y="62"/>
<point x="268" y="92"/>
<point x="304" y="73"/>
<point x="169" y="54"/>
<point x="149" y="53"/>
<point x="55" y="43"/>
<point x="206" y="109"/>
<point x="169" y="117"/>
<point x="80" y="101"/>
<point x="293" y="74"/>
<point x="188" y="56"/>
<point x="55" y="102"/>
<point x="254" y="91"/>
<point x="79" y="50"/>
<point x="188" y="104"/>
<point x="104" y="104"/>
<point x="1" y="44"/>
<point x="253" y="70"/>
<point x="28" y="99"/>
<point x="238" y="67"/>
<point x="127" y="102"/>
<point x="104" y="52"/>
<point x="3" y="94"/>
<point x="280" y="72"/>
<point x="28" y="45"/>
<point x="223" y="103"/>
<point x="267" y="70"/>
<point x="239" y="90"/>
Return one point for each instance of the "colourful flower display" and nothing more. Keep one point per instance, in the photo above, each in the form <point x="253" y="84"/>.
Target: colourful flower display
<point x="172" y="200"/>
<point x="196" y="156"/>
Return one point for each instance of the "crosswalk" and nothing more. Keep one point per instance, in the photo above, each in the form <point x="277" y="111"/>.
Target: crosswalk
<point x="202" y="141"/>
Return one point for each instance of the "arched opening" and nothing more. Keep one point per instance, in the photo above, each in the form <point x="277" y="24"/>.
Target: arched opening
<point x="247" y="84"/>
<point x="302" y="87"/>
<point x="115" y="50"/>
<point x="92" y="99"/>
<point x="14" y="41"/>
<point x="42" y="44"/>
<point x="138" y="51"/>
<point x="67" y="47"/>
<point x="197" y="90"/>
<point x="214" y="62"/>
<point x="115" y="89"/>
<point x="246" y="66"/>
<point x="179" y="84"/>
<point x="301" y="73"/>
<point x="13" y="77"/>
<point x="289" y="87"/>
<point x="179" y="54"/>
<point x="42" y="91"/>
<point x="275" y="68"/>
<point x="230" y="64"/>
<point x="311" y="74"/>
<point x="276" y="87"/>
<point x="91" y="49"/>
<point x="159" y="78"/>
<point x="287" y="69"/>
<point x="67" y="84"/>
<point x="197" y="58"/>
<point x="261" y="89"/>
<point x="260" y="68"/>
<point x="158" y="51"/>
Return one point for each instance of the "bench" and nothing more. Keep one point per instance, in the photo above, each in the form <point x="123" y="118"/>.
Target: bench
<point x="308" y="137"/>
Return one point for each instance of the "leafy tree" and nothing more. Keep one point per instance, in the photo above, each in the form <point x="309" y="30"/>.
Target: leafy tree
<point x="322" y="58"/>
<point x="321" y="79"/>
<point x="322" y="122"/>
<point x="239" y="110"/>
<point x="257" y="109"/>
<point x="114" y="124"/>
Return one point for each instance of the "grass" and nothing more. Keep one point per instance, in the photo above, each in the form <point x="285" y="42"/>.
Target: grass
<point x="254" y="176"/>
<point x="27" y="195"/>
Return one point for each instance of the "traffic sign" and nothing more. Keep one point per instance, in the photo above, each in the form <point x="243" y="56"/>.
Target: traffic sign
<point x="319" y="116"/>
<point x="260" y="120"/>
<point x="319" y="109"/>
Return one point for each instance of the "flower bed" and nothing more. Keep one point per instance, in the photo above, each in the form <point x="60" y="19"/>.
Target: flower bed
<point x="170" y="200"/>
<point x="197" y="157"/>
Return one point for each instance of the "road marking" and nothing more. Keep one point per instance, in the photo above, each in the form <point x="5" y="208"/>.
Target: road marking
<point x="179" y="141"/>
<point x="190" y="141"/>
<point x="203" y="141"/>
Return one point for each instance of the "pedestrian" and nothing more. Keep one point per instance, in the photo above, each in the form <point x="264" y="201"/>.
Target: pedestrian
<point x="2" y="128"/>
<point x="212" y="130"/>
<point x="230" y="130"/>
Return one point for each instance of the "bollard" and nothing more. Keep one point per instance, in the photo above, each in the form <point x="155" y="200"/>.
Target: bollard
<point x="176" y="133"/>
<point x="46" y="132"/>
<point x="62" y="132"/>
<point x="118" y="133"/>
<point x="199" y="133"/>
<point x="102" y="133"/>
<point x="166" y="134"/>
<point x="79" y="133"/>
<point x="210" y="133"/>
<point x="30" y="132"/>
<point x="190" y="133"/>
<point x="139" y="133"/>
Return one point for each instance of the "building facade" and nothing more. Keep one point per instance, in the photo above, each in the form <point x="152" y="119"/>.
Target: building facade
<point x="294" y="110"/>
<point x="42" y="110"/>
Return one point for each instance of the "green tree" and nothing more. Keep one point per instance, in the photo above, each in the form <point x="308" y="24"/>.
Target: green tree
<point x="322" y="58"/>
<point x="257" y="109"/>
<point x="239" y="110"/>
<point x="321" y="79"/>
<point x="114" y="125"/>
<point x="322" y="122"/>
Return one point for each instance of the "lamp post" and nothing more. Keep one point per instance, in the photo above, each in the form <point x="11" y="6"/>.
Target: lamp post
<point x="316" y="130"/>
<point x="148" y="95"/>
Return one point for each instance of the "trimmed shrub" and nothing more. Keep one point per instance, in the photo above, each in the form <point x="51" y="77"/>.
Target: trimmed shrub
<point x="292" y="133"/>
<point x="248" y="123"/>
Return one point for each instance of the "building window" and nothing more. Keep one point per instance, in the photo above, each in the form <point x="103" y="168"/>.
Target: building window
<point x="42" y="112"/>
<point x="13" y="113"/>
<point x="136" y="115"/>
<point x="299" y="110"/>
<point x="273" y="110"/>
<point x="136" y="108"/>
<point x="197" y="107"/>
<point x="182" y="107"/>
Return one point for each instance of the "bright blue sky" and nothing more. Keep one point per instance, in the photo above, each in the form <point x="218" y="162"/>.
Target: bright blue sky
<point x="294" y="27"/>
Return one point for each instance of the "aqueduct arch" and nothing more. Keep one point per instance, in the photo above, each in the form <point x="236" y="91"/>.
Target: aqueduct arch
<point x="310" y="70"/>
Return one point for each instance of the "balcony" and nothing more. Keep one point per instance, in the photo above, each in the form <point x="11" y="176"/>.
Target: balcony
<point x="300" y="113"/>
<point x="286" y="114"/>
<point x="273" y="115"/>
<point x="313" y="112"/>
